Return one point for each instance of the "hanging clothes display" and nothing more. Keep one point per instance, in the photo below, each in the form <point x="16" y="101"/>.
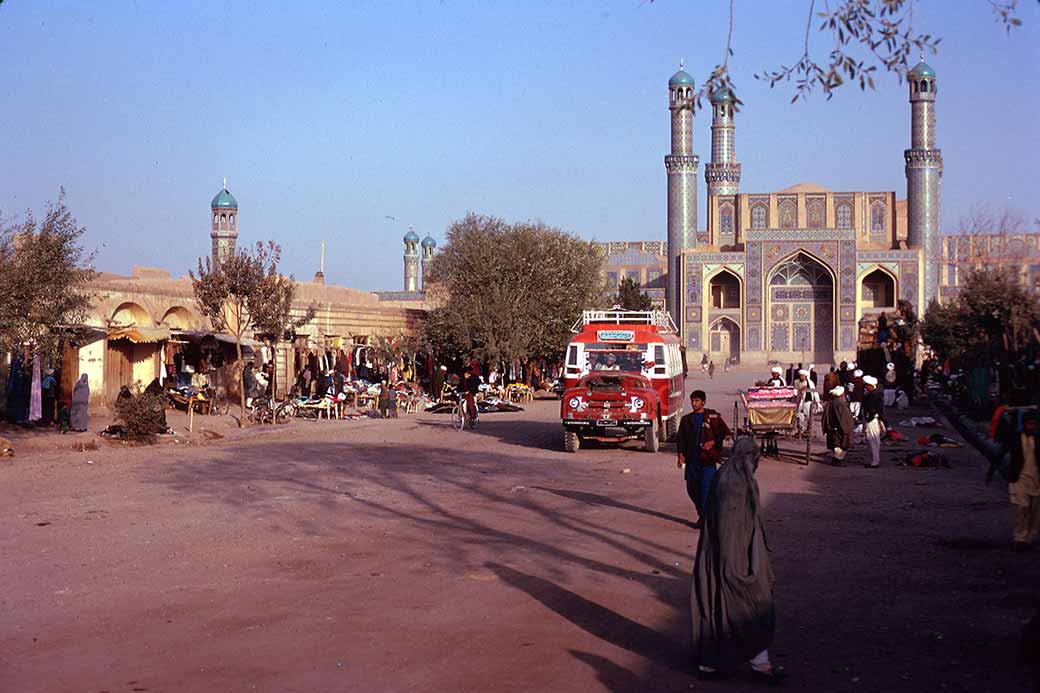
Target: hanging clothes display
<point x="17" y="390"/>
<point x="36" y="393"/>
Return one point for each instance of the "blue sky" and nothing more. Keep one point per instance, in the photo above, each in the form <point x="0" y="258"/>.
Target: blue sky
<point x="327" y="117"/>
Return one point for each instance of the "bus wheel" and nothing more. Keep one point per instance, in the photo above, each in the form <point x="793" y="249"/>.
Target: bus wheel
<point x="672" y="427"/>
<point x="651" y="440"/>
<point x="571" y="441"/>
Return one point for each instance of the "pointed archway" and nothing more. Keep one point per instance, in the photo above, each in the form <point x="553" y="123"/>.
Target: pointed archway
<point x="801" y="310"/>
<point x="724" y="340"/>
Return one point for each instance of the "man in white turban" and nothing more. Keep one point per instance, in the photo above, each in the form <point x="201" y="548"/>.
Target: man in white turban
<point x="874" y="418"/>
<point x="837" y="425"/>
<point x="776" y="378"/>
<point x="806" y="390"/>
<point x="855" y="388"/>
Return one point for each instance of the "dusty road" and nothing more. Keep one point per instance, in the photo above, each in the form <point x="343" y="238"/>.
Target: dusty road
<point x="405" y="556"/>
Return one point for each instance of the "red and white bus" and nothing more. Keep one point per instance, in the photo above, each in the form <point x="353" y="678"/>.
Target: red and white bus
<point x="643" y="342"/>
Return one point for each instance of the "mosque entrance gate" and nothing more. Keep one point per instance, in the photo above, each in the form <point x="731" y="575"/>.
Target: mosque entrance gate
<point x="801" y="311"/>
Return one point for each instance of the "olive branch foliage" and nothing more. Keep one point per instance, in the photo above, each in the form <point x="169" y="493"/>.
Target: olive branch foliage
<point x="866" y="37"/>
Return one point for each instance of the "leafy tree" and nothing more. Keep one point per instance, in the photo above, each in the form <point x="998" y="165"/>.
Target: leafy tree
<point x="629" y="297"/>
<point x="244" y="293"/>
<point x="44" y="274"/>
<point x="272" y="309"/>
<point x="509" y="291"/>
<point x="992" y="309"/>
<point x="861" y="36"/>
<point x="946" y="329"/>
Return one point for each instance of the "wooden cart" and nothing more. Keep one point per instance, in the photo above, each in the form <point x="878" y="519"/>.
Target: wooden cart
<point x="771" y="413"/>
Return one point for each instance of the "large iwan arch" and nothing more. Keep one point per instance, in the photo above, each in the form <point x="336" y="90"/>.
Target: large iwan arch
<point x="800" y="303"/>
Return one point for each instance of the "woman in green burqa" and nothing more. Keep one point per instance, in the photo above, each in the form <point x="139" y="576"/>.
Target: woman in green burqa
<point x="731" y="601"/>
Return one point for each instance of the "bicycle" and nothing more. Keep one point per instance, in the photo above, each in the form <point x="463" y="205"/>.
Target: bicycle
<point x="460" y="414"/>
<point x="285" y="412"/>
<point x="260" y="411"/>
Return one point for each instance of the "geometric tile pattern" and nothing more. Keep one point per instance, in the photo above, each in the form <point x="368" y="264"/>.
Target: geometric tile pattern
<point x="848" y="337"/>
<point x="801" y="340"/>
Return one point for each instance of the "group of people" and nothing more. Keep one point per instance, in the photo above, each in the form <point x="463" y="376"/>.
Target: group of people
<point x="850" y="399"/>
<point x="33" y="397"/>
<point x="856" y="402"/>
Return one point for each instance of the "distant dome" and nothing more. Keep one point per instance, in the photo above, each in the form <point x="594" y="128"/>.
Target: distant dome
<point x="411" y="237"/>
<point x="428" y="242"/>
<point x="721" y="96"/>
<point x="681" y="78"/>
<point x="224" y="200"/>
<point x="922" y="69"/>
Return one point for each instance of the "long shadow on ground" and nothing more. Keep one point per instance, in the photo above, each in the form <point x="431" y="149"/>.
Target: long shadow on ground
<point x="879" y="588"/>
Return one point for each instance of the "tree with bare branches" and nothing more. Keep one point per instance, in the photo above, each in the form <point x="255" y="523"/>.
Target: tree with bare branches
<point x="865" y="36"/>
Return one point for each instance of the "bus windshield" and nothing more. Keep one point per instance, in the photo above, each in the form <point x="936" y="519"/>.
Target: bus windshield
<point x="628" y="358"/>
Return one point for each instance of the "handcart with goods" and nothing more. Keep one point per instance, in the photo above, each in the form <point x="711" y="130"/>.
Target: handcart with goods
<point x="771" y="413"/>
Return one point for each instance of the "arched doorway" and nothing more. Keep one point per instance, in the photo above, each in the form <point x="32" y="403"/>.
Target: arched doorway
<point x="128" y="314"/>
<point x="178" y="318"/>
<point x="724" y="340"/>
<point x="801" y="311"/>
<point x="878" y="291"/>
<point x="725" y="291"/>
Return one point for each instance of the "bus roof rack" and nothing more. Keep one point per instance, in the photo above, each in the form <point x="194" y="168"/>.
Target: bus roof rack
<point x="616" y="316"/>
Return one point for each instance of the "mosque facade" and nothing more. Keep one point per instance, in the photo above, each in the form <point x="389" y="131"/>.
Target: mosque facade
<point x="789" y="275"/>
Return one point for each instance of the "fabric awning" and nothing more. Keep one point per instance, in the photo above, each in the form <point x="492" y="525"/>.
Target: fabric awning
<point x="230" y="339"/>
<point x="198" y="335"/>
<point x="140" y="335"/>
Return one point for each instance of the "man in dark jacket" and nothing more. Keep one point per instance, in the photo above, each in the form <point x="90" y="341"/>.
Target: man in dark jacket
<point x="1023" y="476"/>
<point x="830" y="381"/>
<point x="701" y="435"/>
<point x="837" y="425"/>
<point x="470" y="388"/>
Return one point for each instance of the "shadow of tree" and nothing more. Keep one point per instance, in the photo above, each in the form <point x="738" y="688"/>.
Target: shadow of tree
<point x="866" y="584"/>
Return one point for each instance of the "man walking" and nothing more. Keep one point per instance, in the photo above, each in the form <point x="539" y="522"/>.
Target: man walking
<point x="699" y="444"/>
<point x="837" y="425"/>
<point x="874" y="419"/>
<point x="830" y="381"/>
<point x="1023" y="476"/>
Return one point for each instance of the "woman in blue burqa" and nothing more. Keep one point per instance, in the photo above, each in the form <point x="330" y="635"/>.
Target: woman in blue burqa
<point x="80" y="399"/>
<point x="731" y="601"/>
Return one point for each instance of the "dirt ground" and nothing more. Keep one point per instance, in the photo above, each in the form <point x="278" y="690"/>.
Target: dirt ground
<point x="402" y="555"/>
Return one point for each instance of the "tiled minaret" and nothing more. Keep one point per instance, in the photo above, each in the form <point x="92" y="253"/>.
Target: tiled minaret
<point x="411" y="261"/>
<point x="681" y="166"/>
<point x="429" y="247"/>
<point x="722" y="173"/>
<point x="924" y="177"/>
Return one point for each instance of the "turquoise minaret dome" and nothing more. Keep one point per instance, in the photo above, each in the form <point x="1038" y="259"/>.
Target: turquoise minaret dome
<point x="223" y="230"/>
<point x="224" y="200"/>
<point x="922" y="69"/>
